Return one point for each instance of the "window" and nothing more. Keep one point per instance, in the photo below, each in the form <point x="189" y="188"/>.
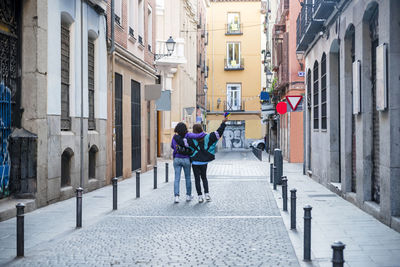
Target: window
<point x="233" y="96"/>
<point x="315" y="96"/>
<point x="233" y="26"/>
<point x="309" y="89"/>
<point x="66" y="159"/>
<point x="65" y="62"/>
<point x="92" y="161"/>
<point x="140" y="21"/>
<point x="91" y="84"/>
<point x="118" y="11"/>
<point x="132" y="17"/>
<point x="233" y="56"/>
<point x="149" y="28"/>
<point x="323" y="92"/>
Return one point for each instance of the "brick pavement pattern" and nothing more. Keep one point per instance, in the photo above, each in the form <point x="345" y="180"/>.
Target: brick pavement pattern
<point x="240" y="226"/>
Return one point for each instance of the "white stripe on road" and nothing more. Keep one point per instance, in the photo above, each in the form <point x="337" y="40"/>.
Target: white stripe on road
<point x="198" y="217"/>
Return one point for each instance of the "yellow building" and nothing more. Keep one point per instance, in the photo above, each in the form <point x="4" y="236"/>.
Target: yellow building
<point x="234" y="80"/>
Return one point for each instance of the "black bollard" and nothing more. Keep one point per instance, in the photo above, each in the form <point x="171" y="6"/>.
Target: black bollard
<point x="293" y="209"/>
<point x="155" y="177"/>
<point x="166" y="172"/>
<point x="275" y="176"/>
<point x="79" y="192"/>
<point x="284" y="192"/>
<point x="115" y="196"/>
<point x="307" y="232"/>
<point x="337" y="257"/>
<point x="20" y="229"/>
<point x="137" y="184"/>
<point x="271" y="173"/>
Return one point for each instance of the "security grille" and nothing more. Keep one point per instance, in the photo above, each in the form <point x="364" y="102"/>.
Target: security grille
<point x="65" y="118"/>
<point x="118" y="124"/>
<point x="375" y="113"/>
<point x="323" y="93"/>
<point x="316" y="97"/>
<point x="135" y="125"/>
<point x="91" y="120"/>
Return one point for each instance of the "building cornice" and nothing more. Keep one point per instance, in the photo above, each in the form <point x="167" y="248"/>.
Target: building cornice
<point x="134" y="60"/>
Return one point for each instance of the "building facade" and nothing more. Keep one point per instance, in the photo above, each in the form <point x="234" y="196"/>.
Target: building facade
<point x="352" y="116"/>
<point x="234" y="79"/>
<point x="202" y="65"/>
<point x="178" y="71"/>
<point x="289" y="79"/>
<point x="131" y="108"/>
<point x="57" y="57"/>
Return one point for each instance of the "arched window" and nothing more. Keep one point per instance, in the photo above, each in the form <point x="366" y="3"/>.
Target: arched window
<point x="309" y="89"/>
<point x="92" y="161"/>
<point x="66" y="159"/>
<point x="316" y="96"/>
<point x="323" y="92"/>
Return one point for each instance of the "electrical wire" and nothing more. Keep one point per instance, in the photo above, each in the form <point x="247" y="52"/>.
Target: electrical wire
<point x="224" y="29"/>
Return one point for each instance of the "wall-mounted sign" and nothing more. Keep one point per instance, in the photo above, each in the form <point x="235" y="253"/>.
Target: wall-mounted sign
<point x="301" y="73"/>
<point x="381" y="77"/>
<point x="356" y="87"/>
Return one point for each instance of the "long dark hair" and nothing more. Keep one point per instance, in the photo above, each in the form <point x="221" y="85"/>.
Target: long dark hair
<point x="181" y="129"/>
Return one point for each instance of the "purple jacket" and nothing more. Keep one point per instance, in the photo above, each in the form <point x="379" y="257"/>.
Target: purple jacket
<point x="188" y="135"/>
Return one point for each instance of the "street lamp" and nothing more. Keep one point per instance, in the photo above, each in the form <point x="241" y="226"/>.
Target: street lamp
<point x="170" y="44"/>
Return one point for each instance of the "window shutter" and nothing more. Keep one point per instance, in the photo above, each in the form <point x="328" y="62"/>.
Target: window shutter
<point x="91" y="119"/>
<point x="65" y="118"/>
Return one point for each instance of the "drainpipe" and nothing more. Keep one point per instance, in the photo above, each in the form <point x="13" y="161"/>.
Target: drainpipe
<point x="82" y="161"/>
<point x="112" y="52"/>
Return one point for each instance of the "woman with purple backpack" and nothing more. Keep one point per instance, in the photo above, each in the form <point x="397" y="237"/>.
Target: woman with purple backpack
<point x="182" y="160"/>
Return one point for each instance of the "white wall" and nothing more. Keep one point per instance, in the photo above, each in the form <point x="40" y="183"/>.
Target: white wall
<point x="93" y="22"/>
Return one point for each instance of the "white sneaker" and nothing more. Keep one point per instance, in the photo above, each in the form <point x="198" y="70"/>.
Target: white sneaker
<point x="189" y="198"/>
<point x="176" y="199"/>
<point x="208" y="198"/>
<point x="201" y="199"/>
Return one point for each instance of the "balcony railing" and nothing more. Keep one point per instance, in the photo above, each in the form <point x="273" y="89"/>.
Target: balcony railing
<point x="310" y="21"/>
<point x="233" y="64"/>
<point x="233" y="29"/>
<point x="234" y="105"/>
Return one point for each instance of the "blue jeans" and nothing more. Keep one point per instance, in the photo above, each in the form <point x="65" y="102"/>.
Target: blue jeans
<point x="180" y="163"/>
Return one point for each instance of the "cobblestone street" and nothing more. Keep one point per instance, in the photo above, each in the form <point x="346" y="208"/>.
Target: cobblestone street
<point x="241" y="226"/>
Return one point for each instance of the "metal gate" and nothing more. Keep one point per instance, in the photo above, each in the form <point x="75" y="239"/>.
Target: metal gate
<point x="118" y="124"/>
<point x="375" y="112"/>
<point x="135" y="122"/>
<point x="5" y="126"/>
<point x="234" y="135"/>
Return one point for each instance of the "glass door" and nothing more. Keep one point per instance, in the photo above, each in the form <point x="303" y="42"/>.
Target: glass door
<point x="233" y="96"/>
<point x="233" y="55"/>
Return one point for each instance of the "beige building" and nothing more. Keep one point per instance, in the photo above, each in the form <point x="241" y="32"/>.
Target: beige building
<point x="131" y="143"/>
<point x="234" y="79"/>
<point x="178" y="19"/>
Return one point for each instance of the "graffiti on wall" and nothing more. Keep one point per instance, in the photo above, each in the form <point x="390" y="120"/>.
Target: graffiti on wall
<point x="234" y="136"/>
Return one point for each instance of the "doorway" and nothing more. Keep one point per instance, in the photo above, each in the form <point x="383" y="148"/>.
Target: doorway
<point x="135" y="128"/>
<point x="118" y="125"/>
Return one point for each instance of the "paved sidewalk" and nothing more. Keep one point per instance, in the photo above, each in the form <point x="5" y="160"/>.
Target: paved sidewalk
<point x="369" y="243"/>
<point x="58" y="220"/>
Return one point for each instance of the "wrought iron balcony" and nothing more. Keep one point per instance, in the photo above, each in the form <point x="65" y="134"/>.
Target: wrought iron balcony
<point x="307" y="27"/>
<point x="234" y="64"/>
<point x="324" y="8"/>
<point x="234" y="105"/>
<point x="233" y="29"/>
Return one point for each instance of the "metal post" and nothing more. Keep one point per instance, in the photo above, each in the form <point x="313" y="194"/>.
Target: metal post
<point x="155" y="177"/>
<point x="337" y="257"/>
<point x="284" y="192"/>
<point x="79" y="192"/>
<point x="293" y="208"/>
<point x="278" y="164"/>
<point x="166" y="172"/>
<point x="307" y="232"/>
<point x="115" y="196"/>
<point x="275" y="176"/>
<point x="271" y="173"/>
<point x="137" y="184"/>
<point x="20" y="229"/>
